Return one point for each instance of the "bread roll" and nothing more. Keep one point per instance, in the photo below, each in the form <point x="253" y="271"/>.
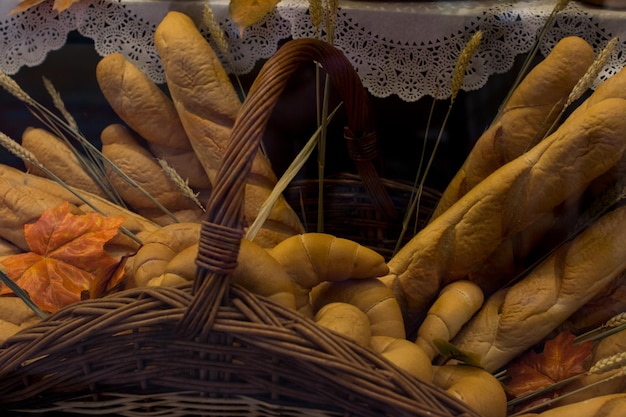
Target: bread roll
<point x="518" y="317"/>
<point x="507" y="202"/>
<point x="207" y="105"/>
<point x="313" y="258"/>
<point x="56" y="156"/>
<point x="456" y="304"/>
<point x="121" y="148"/>
<point x="346" y="320"/>
<point x="370" y="296"/>
<point x="147" y="110"/>
<point x="404" y="354"/>
<point x="532" y="108"/>
<point x="474" y="386"/>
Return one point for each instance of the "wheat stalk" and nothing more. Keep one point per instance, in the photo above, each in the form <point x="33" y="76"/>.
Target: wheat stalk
<point x="316" y="11"/>
<point x="332" y="8"/>
<point x="583" y="84"/>
<point x="285" y="179"/>
<point x="558" y="7"/>
<point x="457" y="81"/>
<point x="60" y="105"/>
<point x="592" y="72"/>
<point x="181" y="184"/>
<point x="216" y="32"/>
<point x="10" y="85"/>
<point x="461" y="64"/>
<point x="23" y="295"/>
<point x="219" y="37"/>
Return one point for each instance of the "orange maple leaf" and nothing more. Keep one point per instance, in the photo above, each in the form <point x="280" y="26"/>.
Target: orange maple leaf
<point x="67" y="257"/>
<point x="59" y="5"/>
<point x="559" y="360"/>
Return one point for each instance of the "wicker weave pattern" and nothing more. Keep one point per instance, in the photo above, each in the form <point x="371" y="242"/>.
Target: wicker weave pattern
<point x="127" y="344"/>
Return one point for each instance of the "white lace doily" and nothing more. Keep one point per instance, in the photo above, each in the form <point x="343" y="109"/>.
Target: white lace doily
<point x="406" y="49"/>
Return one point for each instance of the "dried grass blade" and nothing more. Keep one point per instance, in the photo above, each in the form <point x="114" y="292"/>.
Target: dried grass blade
<point x="23" y="295"/>
<point x="285" y="179"/>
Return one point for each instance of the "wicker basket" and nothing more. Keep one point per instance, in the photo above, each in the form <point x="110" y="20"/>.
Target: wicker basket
<point x="212" y="348"/>
<point x="350" y="211"/>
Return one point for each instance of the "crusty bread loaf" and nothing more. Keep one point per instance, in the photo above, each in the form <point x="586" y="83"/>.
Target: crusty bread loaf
<point x="121" y="148"/>
<point x="608" y="303"/>
<point x="514" y="255"/>
<point x="518" y="317"/>
<point x="147" y="110"/>
<point x="56" y="156"/>
<point x="207" y="105"/>
<point x="532" y="108"/>
<point x="508" y="201"/>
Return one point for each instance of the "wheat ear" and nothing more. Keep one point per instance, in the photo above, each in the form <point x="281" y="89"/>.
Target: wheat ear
<point x="609" y="363"/>
<point x="59" y="104"/>
<point x="181" y="184"/>
<point x="316" y="10"/>
<point x="219" y="37"/>
<point x="461" y="64"/>
<point x="14" y="89"/>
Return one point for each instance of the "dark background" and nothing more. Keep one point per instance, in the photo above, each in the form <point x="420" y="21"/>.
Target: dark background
<point x="400" y="125"/>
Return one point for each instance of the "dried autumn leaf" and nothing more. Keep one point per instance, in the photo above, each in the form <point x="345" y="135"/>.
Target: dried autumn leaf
<point x="559" y="360"/>
<point x="59" y="5"/>
<point x="246" y="13"/>
<point x="67" y="257"/>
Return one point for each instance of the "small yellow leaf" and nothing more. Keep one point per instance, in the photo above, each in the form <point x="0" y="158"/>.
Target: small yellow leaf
<point x="246" y="13"/>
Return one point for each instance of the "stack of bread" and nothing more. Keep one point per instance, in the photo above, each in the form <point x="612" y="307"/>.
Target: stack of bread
<point x="495" y="272"/>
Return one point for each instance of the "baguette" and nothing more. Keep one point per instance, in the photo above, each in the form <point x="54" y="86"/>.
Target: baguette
<point x="532" y="108"/>
<point x="515" y="254"/>
<point x="518" y="317"/>
<point x="148" y="111"/>
<point x="207" y="105"/>
<point x="514" y="197"/>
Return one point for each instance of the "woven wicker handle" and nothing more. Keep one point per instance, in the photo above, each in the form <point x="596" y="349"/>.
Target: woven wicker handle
<point x="222" y="230"/>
